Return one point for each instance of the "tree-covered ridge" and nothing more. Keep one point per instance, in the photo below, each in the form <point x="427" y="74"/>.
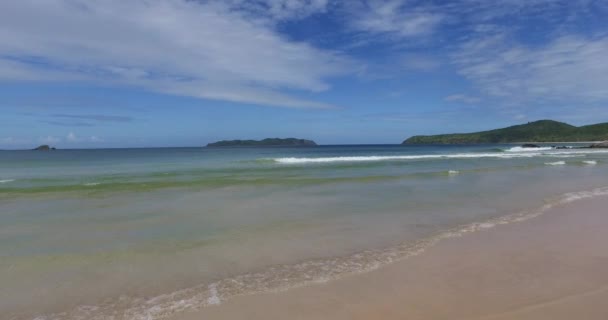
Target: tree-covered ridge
<point x="269" y="142"/>
<point x="538" y="131"/>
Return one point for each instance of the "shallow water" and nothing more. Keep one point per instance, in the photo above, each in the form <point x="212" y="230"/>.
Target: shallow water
<point x="143" y="233"/>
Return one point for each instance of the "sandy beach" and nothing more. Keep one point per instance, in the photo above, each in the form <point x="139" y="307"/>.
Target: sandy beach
<point x="551" y="267"/>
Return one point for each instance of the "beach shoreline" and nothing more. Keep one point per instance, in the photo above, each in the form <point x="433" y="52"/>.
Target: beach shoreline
<point x="551" y="267"/>
<point x="148" y="235"/>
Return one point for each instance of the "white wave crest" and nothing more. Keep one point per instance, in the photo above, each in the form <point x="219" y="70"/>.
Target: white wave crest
<point x="590" y="162"/>
<point x="472" y="155"/>
<point x="91" y="184"/>
<point x="293" y="160"/>
<point x="556" y="163"/>
<point x="575" y="152"/>
<point x="453" y="172"/>
<point x="7" y="180"/>
<point x="522" y="149"/>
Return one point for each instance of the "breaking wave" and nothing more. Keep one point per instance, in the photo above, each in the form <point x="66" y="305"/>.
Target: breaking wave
<point x="522" y="149"/>
<point x="91" y="184"/>
<point x="472" y="155"/>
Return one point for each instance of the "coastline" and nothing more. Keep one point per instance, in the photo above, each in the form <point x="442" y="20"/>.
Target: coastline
<point x="240" y="224"/>
<point x="551" y="267"/>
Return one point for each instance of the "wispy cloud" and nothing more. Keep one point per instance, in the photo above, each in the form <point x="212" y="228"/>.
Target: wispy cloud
<point x="234" y="50"/>
<point x="70" y="123"/>
<point x="200" y="49"/>
<point x="94" y="117"/>
<point x="12" y="141"/>
<point x="569" y="68"/>
<point x="71" y="137"/>
<point x="462" y="98"/>
<point x="96" y="139"/>
<point x="49" y="140"/>
<point x="280" y="9"/>
<point x="395" y="17"/>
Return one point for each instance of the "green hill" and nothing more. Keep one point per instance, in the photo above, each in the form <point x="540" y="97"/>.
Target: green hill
<point x="269" y="142"/>
<point x="538" y="131"/>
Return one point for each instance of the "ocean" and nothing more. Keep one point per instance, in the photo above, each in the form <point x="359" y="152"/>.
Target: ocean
<point x="148" y="233"/>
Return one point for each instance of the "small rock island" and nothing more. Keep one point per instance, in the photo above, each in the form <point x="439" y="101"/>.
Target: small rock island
<point x="268" y="142"/>
<point x="44" y="147"/>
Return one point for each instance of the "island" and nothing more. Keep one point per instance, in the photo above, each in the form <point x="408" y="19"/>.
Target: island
<point x="268" y="142"/>
<point x="537" y="131"/>
<point x="44" y="148"/>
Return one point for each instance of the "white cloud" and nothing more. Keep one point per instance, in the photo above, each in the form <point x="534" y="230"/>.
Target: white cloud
<point x="201" y="49"/>
<point x="95" y="139"/>
<point x="49" y="140"/>
<point x="462" y="98"/>
<point x="281" y="9"/>
<point x="71" y="137"/>
<point x="12" y="141"/>
<point x="568" y="69"/>
<point x="395" y="17"/>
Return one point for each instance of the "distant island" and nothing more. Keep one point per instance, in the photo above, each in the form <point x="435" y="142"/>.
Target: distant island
<point x="269" y="142"/>
<point x="538" y="131"/>
<point x="44" y="148"/>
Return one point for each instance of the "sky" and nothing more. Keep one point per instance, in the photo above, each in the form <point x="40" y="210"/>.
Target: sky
<point x="146" y="73"/>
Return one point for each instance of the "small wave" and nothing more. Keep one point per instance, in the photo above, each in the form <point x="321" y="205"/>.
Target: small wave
<point x="590" y="162"/>
<point x="567" y="155"/>
<point x="522" y="149"/>
<point x="578" y="151"/>
<point x="556" y="163"/>
<point x="7" y="180"/>
<point x="453" y="172"/>
<point x="391" y="158"/>
<point x="91" y="184"/>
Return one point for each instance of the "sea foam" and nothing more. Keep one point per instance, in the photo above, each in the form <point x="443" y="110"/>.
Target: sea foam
<point x="556" y="163"/>
<point x="91" y="184"/>
<point x="7" y="180"/>
<point x="294" y="160"/>
<point x="522" y="149"/>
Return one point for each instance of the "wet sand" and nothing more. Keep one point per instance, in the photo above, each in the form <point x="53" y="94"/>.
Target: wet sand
<point x="550" y="267"/>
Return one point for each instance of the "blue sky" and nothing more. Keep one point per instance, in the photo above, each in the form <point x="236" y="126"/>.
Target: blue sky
<point x="126" y="73"/>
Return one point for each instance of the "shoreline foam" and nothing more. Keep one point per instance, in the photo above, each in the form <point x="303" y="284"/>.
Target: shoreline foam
<point x="284" y="277"/>
<point x="550" y="268"/>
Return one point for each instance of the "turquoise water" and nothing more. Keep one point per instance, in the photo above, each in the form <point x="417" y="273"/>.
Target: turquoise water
<point x="145" y="233"/>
